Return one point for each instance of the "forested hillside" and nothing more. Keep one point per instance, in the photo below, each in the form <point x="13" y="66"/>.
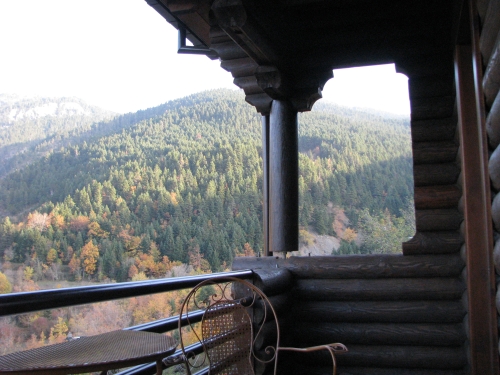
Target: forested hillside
<point x="182" y="182"/>
<point x="26" y="123"/>
<point x="31" y="128"/>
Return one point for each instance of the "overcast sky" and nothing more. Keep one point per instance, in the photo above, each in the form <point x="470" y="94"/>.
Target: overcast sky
<point x="121" y="55"/>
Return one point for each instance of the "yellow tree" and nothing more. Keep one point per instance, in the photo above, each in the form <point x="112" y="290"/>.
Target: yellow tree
<point x="60" y="328"/>
<point x="248" y="251"/>
<point x="132" y="245"/>
<point x="350" y="235"/>
<point x="146" y="263"/>
<point x="197" y="262"/>
<point x="51" y="256"/>
<point x="89" y="256"/>
<point x="74" y="266"/>
<point x="154" y="252"/>
<point x="28" y="273"/>
<point x="132" y="271"/>
<point x="58" y="221"/>
<point x="96" y="231"/>
<point x="5" y="286"/>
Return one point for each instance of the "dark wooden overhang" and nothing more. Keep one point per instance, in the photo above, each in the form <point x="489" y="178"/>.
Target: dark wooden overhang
<point x="288" y="48"/>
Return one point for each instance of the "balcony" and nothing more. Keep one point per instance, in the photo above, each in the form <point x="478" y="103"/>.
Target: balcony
<point x="397" y="314"/>
<point x="430" y="311"/>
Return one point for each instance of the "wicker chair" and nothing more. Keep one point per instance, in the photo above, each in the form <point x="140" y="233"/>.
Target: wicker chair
<point x="229" y="329"/>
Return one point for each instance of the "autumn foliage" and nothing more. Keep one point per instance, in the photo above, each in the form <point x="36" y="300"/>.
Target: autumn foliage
<point x="90" y="255"/>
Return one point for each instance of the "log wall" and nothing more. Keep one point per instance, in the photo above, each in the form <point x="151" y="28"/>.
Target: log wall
<point x="435" y="165"/>
<point x="490" y="53"/>
<point x="396" y="314"/>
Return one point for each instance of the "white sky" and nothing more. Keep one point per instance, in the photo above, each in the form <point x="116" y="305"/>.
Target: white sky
<point x="121" y="55"/>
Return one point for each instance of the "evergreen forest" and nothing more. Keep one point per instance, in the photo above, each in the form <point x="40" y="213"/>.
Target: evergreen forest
<point x="117" y="197"/>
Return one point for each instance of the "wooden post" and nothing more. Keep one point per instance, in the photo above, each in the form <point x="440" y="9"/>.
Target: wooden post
<point x="265" y="182"/>
<point x="283" y="178"/>
<point x="483" y="339"/>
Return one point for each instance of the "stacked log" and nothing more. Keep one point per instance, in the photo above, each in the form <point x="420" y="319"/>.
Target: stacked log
<point x="435" y="167"/>
<point x="490" y="51"/>
<point x="396" y="314"/>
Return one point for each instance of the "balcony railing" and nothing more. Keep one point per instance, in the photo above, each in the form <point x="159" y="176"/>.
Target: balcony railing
<point x="26" y="302"/>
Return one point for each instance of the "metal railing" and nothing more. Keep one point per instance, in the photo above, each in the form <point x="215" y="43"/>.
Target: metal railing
<point x="26" y="302"/>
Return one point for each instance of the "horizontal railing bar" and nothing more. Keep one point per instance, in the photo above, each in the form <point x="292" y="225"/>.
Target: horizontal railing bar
<point x="147" y="369"/>
<point x="202" y="372"/>
<point x="168" y="324"/>
<point x="172" y="323"/>
<point x="150" y="368"/>
<point x="24" y="302"/>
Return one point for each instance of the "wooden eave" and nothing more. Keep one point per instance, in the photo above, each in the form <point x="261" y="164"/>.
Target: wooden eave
<point x="191" y="15"/>
<point x="304" y="40"/>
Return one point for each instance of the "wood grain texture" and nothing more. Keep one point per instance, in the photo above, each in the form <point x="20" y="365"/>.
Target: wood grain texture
<point x="284" y="177"/>
<point x="490" y="29"/>
<point x="359" y="266"/>
<point x="375" y="266"/>
<point x="439" y="196"/>
<point x="265" y="184"/>
<point x="311" y="369"/>
<point x="491" y="80"/>
<point x="435" y="174"/>
<point x="493" y="123"/>
<point x="273" y="281"/>
<point x="267" y="336"/>
<point x="434" y="152"/>
<point x="261" y="102"/>
<point x="380" y="311"/>
<point x="496" y="257"/>
<point x="228" y="50"/>
<point x="495" y="212"/>
<point x="281" y="304"/>
<point x="248" y="84"/>
<point x="433" y="130"/>
<point x="494" y="169"/>
<point x="315" y="333"/>
<point x="423" y="357"/>
<point x="438" y="220"/>
<point x="434" y="107"/>
<point x="380" y="289"/>
<point x="433" y="243"/>
<point x="239" y="67"/>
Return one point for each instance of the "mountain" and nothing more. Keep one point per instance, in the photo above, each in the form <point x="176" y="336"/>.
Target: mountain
<point x="34" y="126"/>
<point x="30" y="119"/>
<point x="183" y="181"/>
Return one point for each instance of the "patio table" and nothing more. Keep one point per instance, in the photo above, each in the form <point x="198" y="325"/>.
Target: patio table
<point x="111" y="350"/>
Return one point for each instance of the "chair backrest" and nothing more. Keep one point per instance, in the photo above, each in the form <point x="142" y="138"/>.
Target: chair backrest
<point x="228" y="329"/>
<point x="227" y="334"/>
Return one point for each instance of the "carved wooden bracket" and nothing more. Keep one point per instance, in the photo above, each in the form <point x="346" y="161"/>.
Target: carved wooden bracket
<point x="272" y="76"/>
